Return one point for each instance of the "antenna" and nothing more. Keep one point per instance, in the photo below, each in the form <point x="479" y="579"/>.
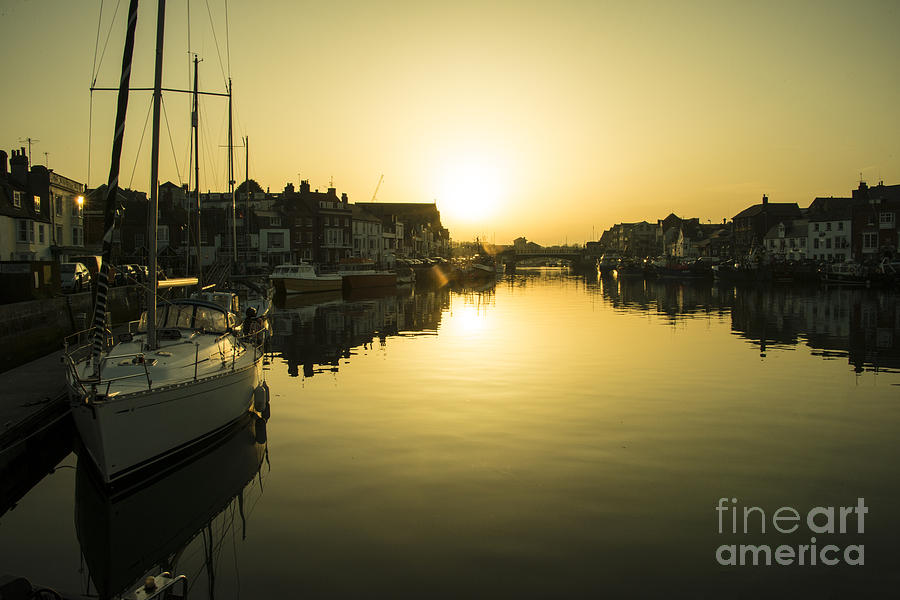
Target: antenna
<point x="47" y="160"/>
<point x="331" y="181"/>
<point x="29" y="141"/>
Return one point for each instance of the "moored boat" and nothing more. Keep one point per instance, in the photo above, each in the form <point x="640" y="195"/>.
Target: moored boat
<point x="361" y="273"/>
<point x="140" y="405"/>
<point x="303" y="278"/>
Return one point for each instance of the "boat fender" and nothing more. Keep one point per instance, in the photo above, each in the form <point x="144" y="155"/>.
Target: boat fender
<point x="261" y="398"/>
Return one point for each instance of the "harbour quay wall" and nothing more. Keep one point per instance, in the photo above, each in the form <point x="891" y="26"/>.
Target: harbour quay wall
<point x="29" y="330"/>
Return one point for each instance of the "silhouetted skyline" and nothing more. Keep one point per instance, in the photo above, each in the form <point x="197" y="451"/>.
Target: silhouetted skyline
<point x="544" y="120"/>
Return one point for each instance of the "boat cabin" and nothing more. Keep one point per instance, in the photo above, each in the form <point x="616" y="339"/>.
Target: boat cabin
<point x="193" y="314"/>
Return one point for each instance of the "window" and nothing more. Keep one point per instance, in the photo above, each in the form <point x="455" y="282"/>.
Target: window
<point x="76" y="236"/>
<point x="59" y="239"/>
<point x="815" y="226"/>
<point x="886" y="219"/>
<point x="37" y="204"/>
<point x="41" y="233"/>
<point x="816" y="243"/>
<point x="828" y="226"/>
<point x="840" y="225"/>
<point x="828" y="242"/>
<point x="870" y="241"/>
<point x="22" y="231"/>
<point x="276" y="240"/>
<point x="162" y="234"/>
<point x="17" y="198"/>
<point x="58" y="201"/>
<point x="275" y="221"/>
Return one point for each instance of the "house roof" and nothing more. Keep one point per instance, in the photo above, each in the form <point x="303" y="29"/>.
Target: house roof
<point x="774" y="209"/>
<point x="793" y="228"/>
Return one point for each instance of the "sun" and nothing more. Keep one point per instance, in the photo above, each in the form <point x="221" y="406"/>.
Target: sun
<point x="470" y="190"/>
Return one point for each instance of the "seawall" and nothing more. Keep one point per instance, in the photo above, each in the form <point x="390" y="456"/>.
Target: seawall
<point x="29" y="330"/>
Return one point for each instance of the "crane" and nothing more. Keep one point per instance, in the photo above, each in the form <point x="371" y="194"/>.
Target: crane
<point x="380" y="179"/>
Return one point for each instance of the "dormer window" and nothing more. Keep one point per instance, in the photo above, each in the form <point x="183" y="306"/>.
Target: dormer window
<point x="17" y="198"/>
<point x="37" y="204"/>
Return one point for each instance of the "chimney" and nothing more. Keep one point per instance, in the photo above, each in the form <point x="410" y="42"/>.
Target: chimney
<point x="344" y="197"/>
<point x="765" y="200"/>
<point x="18" y="167"/>
<point x="289" y="188"/>
<point x="332" y="191"/>
<point x="3" y="165"/>
<point x="304" y="186"/>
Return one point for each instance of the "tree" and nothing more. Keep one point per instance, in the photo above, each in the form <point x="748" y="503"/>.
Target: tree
<point x="254" y="187"/>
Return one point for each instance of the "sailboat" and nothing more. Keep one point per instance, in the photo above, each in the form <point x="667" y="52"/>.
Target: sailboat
<point x="181" y="376"/>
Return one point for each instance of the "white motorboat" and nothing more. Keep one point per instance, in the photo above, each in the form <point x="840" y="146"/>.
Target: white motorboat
<point x="302" y="278"/>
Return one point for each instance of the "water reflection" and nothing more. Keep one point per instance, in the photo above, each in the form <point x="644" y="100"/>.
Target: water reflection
<point x="314" y="331"/>
<point x="177" y="522"/>
<point x="861" y="325"/>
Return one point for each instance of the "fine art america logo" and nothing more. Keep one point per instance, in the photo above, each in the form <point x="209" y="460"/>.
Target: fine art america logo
<point x="820" y="520"/>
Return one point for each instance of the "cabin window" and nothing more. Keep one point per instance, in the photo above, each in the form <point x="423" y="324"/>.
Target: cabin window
<point x="179" y="315"/>
<point x="210" y="319"/>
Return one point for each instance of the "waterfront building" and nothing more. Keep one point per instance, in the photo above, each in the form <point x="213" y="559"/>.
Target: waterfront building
<point x="751" y="224"/>
<point x="874" y="230"/>
<point x="787" y="240"/>
<point x="423" y="234"/>
<point x="830" y="228"/>
<point x="26" y="218"/>
<point x="367" y="235"/>
<point x="319" y="223"/>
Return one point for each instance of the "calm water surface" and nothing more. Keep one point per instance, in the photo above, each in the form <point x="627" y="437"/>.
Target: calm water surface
<point x="551" y="436"/>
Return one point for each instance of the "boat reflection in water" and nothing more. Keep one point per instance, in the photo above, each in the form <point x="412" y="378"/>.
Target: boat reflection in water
<point x="860" y="325"/>
<point x="317" y="331"/>
<point x="146" y="529"/>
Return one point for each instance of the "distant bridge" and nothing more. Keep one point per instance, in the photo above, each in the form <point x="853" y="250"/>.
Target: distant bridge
<point x="513" y="255"/>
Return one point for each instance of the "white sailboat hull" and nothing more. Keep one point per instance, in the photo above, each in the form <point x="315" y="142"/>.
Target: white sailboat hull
<point x="130" y="432"/>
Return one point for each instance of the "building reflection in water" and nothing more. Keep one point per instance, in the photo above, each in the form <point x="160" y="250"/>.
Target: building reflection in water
<point x="315" y="331"/>
<point x="177" y="521"/>
<point x="858" y="324"/>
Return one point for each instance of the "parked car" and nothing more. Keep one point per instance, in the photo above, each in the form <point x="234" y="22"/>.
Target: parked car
<point x="74" y="276"/>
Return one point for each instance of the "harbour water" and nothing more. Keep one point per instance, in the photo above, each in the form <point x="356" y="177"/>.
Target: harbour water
<point x="548" y="436"/>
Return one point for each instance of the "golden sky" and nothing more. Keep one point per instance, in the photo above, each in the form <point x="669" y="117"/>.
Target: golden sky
<point x="542" y="119"/>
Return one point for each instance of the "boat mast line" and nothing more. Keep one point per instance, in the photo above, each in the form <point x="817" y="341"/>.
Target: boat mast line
<point x="112" y="189"/>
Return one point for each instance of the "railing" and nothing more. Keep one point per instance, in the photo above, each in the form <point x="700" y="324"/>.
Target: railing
<point x="87" y="386"/>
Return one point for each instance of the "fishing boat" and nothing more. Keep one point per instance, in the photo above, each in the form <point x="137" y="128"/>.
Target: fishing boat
<point x="361" y="273"/>
<point x="182" y="375"/>
<point x="303" y="278"/>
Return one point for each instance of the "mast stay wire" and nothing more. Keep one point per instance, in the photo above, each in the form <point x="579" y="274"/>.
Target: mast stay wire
<point x="216" y="41"/>
<point x="171" y="141"/>
<point x="137" y="155"/>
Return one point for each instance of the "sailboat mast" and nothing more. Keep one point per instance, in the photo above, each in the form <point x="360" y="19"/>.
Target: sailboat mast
<point x="196" y="123"/>
<point x="112" y="189"/>
<point x="247" y="191"/>
<point x="154" y="175"/>
<point x="231" y="175"/>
